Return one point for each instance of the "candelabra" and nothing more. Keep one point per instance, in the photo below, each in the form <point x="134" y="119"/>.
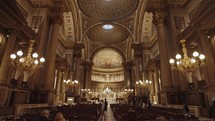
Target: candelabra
<point x="71" y="83"/>
<point x="143" y="83"/>
<point x="129" y="90"/>
<point x="187" y="63"/>
<point x="27" y="64"/>
<point x="143" y="87"/>
<point x="85" y="90"/>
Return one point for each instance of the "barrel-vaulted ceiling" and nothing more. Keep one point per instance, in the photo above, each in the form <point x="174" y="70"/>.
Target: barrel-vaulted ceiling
<point x="126" y="21"/>
<point x="108" y="26"/>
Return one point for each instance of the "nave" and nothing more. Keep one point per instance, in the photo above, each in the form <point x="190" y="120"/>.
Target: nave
<point x="134" y="52"/>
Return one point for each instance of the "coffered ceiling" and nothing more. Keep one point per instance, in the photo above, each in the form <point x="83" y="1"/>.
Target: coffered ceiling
<point x="108" y="10"/>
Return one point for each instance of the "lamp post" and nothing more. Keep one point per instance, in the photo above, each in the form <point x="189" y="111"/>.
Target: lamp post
<point x="27" y="64"/>
<point x="187" y="64"/>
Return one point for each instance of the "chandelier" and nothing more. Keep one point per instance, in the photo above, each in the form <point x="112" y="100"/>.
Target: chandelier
<point x="187" y="63"/>
<point x="29" y="63"/>
<point x="129" y="90"/>
<point x="143" y="83"/>
<point x="107" y="91"/>
<point x="71" y="83"/>
<point x="85" y="90"/>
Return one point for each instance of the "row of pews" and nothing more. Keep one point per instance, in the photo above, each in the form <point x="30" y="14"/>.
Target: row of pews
<point x="124" y="112"/>
<point x="79" y="112"/>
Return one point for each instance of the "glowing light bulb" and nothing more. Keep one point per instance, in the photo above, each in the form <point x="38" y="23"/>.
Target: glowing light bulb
<point x="42" y="60"/>
<point x="177" y="62"/>
<point x="21" y="60"/>
<point x="195" y="54"/>
<point x="19" y="53"/>
<point x="34" y="55"/>
<point x="178" y="56"/>
<point x="36" y="62"/>
<point x="171" y="61"/>
<point x="147" y="81"/>
<point x="201" y="56"/>
<point x="13" y="56"/>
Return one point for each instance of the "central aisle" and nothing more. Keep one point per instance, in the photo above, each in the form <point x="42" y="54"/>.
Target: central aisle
<point x="108" y="115"/>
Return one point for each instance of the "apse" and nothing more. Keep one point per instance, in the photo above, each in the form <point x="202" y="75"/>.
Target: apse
<point x="107" y="66"/>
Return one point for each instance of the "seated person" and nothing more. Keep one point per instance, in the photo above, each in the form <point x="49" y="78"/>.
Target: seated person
<point x="44" y="116"/>
<point x="59" y="117"/>
<point x="132" y="114"/>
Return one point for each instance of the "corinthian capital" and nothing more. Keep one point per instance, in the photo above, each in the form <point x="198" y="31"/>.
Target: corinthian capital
<point x="56" y="19"/>
<point x="56" y="12"/>
<point x="160" y="19"/>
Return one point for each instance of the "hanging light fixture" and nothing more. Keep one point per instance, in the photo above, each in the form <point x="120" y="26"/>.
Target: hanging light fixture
<point x="187" y="63"/>
<point x="29" y="63"/>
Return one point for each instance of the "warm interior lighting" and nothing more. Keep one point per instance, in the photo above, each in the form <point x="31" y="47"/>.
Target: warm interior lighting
<point x="187" y="63"/>
<point x="27" y="63"/>
<point x="129" y="90"/>
<point x="71" y="83"/>
<point x="143" y="83"/>
<point x="85" y="90"/>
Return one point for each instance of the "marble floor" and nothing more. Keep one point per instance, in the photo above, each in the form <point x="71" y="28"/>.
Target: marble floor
<point x="108" y="115"/>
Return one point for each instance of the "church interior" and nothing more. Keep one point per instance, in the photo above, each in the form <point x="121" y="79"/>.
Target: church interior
<point x="151" y="56"/>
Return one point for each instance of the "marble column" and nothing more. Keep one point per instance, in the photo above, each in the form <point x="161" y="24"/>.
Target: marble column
<point x="210" y="64"/>
<point x="160" y="20"/>
<point x="5" y="64"/>
<point x="56" y="19"/>
<point x="43" y="35"/>
<point x="137" y="57"/>
<point x="58" y="84"/>
<point x="77" y="54"/>
<point x="87" y="70"/>
<point x="63" y="87"/>
<point x="127" y="74"/>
